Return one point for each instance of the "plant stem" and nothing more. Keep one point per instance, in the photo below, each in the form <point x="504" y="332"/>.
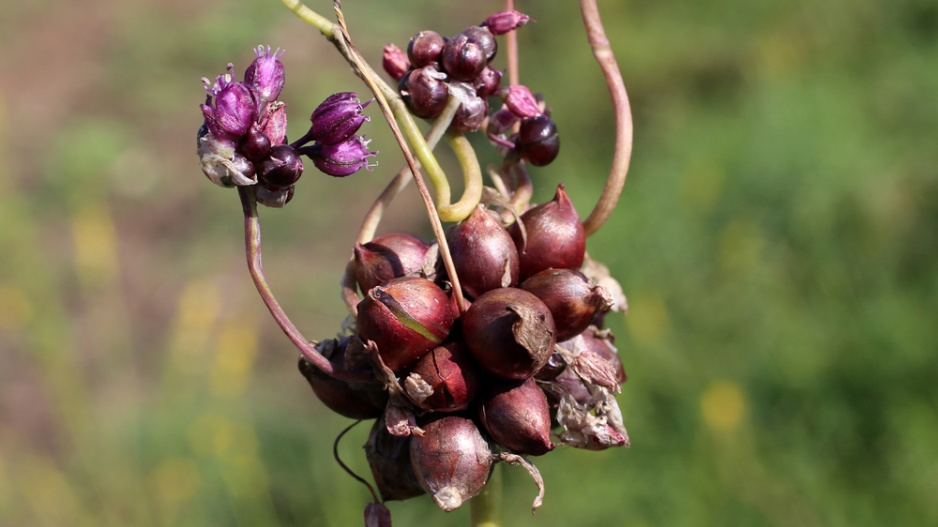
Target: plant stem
<point x="485" y="510"/>
<point x="252" y="245"/>
<point x="623" y="113"/>
<point x="472" y="174"/>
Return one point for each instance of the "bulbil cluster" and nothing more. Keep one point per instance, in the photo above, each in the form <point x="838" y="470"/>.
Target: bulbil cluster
<point x="435" y="68"/>
<point x="520" y="367"/>
<point x="243" y="139"/>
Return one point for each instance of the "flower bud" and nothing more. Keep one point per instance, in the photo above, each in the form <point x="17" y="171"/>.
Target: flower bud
<point x="395" y="62"/>
<point x="274" y="122"/>
<point x="509" y="332"/>
<point x="386" y="257"/>
<point x="572" y="299"/>
<point x="484" y="255"/>
<point x="338" y="118"/>
<point x="443" y="380"/>
<point x="282" y="167"/>
<point x="538" y="142"/>
<point x="463" y="57"/>
<point x="554" y="239"/>
<point x="452" y="460"/>
<point x="405" y="318"/>
<point x="425" y="49"/>
<point x="522" y="102"/>
<point x="377" y="515"/>
<point x="516" y="415"/>
<point x="342" y="159"/>
<point x="424" y="91"/>
<point x="505" y="21"/>
<point x="233" y="109"/>
<point x="265" y="76"/>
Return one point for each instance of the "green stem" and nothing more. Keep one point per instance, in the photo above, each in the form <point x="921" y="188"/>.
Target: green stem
<point x="485" y="510"/>
<point x="472" y="174"/>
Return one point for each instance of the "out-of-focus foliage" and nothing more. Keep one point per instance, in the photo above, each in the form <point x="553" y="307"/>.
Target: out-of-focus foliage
<point x="777" y="239"/>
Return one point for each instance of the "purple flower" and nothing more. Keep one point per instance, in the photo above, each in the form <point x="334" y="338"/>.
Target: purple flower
<point x="342" y="159"/>
<point x="395" y="62"/>
<point x="522" y="102"/>
<point x="232" y="111"/>
<point x="265" y="76"/>
<point x="337" y="118"/>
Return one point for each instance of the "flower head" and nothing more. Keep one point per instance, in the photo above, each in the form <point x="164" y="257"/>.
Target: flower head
<point x="343" y="159"/>
<point x="230" y="107"/>
<point x="338" y="118"/>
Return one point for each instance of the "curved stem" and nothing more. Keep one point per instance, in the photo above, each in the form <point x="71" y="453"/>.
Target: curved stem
<point x="252" y="243"/>
<point x="472" y="174"/>
<point x="620" y="103"/>
<point x="524" y="188"/>
<point x="485" y="510"/>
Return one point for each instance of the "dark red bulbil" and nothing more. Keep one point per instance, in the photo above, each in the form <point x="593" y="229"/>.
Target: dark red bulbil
<point x="517" y="416"/>
<point x="509" y="332"/>
<point x="444" y="380"/>
<point x="386" y="257"/>
<point x="555" y="236"/>
<point x="405" y="317"/>
<point x="538" y="142"/>
<point x="572" y="299"/>
<point x="389" y="458"/>
<point x="484" y="255"/>
<point x="452" y="460"/>
<point x="355" y="400"/>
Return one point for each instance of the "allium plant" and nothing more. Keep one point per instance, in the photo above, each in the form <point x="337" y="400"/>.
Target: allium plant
<point x="485" y="344"/>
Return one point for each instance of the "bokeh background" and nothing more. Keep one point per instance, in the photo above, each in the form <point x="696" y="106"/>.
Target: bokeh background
<point x="777" y="239"/>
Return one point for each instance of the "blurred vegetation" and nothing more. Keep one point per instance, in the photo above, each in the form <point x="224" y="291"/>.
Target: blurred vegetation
<point x="777" y="239"/>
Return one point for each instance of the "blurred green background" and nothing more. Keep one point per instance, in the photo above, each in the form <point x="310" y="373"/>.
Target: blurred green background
<point x="777" y="239"/>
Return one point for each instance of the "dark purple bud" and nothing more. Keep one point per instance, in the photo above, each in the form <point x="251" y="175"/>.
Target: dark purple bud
<point x="509" y="332"/>
<point x="233" y="109"/>
<point x="425" y="49"/>
<point x="485" y="38"/>
<point x="554" y="236"/>
<point x="522" y="102"/>
<point x="395" y="62"/>
<point x="484" y="255"/>
<point x="572" y="299"/>
<point x="463" y="58"/>
<point x="355" y="400"/>
<point x="470" y="114"/>
<point x="424" y="91"/>
<point x="342" y="159"/>
<point x="538" y="142"/>
<point x="452" y="460"/>
<point x="265" y="76"/>
<point x="487" y="83"/>
<point x="443" y="380"/>
<point x="505" y="21"/>
<point x="389" y="458"/>
<point x="273" y="197"/>
<point x="517" y="416"/>
<point x="406" y="317"/>
<point x="255" y="145"/>
<point x="338" y="118"/>
<point x="282" y="167"/>
<point x="386" y="257"/>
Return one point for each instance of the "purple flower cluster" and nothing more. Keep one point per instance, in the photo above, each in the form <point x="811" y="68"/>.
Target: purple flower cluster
<point x="243" y="140"/>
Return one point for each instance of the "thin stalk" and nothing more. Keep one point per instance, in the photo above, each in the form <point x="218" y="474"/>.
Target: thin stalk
<point x="252" y="244"/>
<point x="602" y="52"/>
<point x="485" y="510"/>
